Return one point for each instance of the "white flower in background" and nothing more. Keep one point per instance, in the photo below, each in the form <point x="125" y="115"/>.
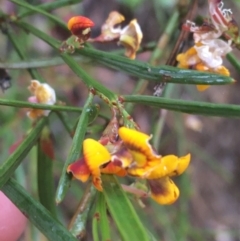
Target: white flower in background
<point x="42" y="94"/>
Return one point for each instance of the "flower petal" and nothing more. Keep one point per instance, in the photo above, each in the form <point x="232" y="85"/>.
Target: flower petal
<point x="131" y="38"/>
<point x="109" y="32"/>
<point x="182" y="165"/>
<point x="95" y="155"/>
<point x="122" y="157"/>
<point x="80" y="170"/>
<point x="138" y="145"/>
<point x="163" y="190"/>
<point x="113" y="169"/>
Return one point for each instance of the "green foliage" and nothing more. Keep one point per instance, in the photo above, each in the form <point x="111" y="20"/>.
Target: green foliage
<point x="112" y="213"/>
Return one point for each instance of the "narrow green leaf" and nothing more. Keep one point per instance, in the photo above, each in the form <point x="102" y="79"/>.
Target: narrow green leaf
<point x="103" y="222"/>
<point x="25" y="104"/>
<point x="75" y="150"/>
<point x="41" y="11"/>
<point x="191" y="107"/>
<point x="45" y="177"/>
<point x="36" y="213"/>
<point x="9" y="166"/>
<point x="162" y="73"/>
<point x="122" y="211"/>
<point x="39" y="63"/>
<point x="95" y="233"/>
<point x="78" y="223"/>
<point x="48" y="7"/>
<point x="234" y="61"/>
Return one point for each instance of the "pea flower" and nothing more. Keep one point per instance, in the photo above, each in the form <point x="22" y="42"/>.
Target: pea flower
<point x="42" y="94"/>
<point x="134" y="156"/>
<point x="80" y="27"/>
<point x="130" y="36"/>
<point x="209" y="50"/>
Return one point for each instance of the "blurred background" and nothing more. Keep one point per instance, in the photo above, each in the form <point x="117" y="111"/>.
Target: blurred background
<point x="209" y="204"/>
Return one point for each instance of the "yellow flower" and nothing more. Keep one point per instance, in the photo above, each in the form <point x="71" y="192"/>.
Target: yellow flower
<point x="134" y="156"/>
<point x="147" y="164"/>
<point x="42" y="94"/>
<point x="94" y="156"/>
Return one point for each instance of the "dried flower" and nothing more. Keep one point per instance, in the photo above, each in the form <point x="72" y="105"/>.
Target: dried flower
<point x="42" y="94"/>
<point x="130" y="36"/>
<point x="208" y="52"/>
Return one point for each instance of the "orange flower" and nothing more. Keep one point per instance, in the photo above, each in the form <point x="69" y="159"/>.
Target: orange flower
<point x="80" y="27"/>
<point x="156" y="169"/>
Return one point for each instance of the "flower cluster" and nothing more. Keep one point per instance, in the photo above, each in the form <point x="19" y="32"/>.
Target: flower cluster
<point x="131" y="155"/>
<point x="130" y="36"/>
<point x="42" y="94"/>
<point x="208" y="52"/>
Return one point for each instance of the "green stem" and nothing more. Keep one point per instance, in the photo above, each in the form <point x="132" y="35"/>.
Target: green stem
<point x="77" y="225"/>
<point x="191" y="107"/>
<point x="75" y="150"/>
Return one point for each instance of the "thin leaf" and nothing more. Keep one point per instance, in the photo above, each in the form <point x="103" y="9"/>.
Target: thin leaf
<point x="191" y="107"/>
<point x="9" y="166"/>
<point x="45" y="179"/>
<point x="39" y="63"/>
<point x="103" y="222"/>
<point x="122" y="211"/>
<point x="25" y="104"/>
<point x="48" y="7"/>
<point x="75" y="150"/>
<point x="77" y="225"/>
<point x="162" y="73"/>
<point x="41" y="11"/>
<point x="36" y="213"/>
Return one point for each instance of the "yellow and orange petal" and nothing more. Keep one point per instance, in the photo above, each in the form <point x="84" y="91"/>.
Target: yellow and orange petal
<point x="113" y="169"/>
<point x="131" y="38"/>
<point x="188" y="58"/>
<point x="122" y="157"/>
<point x="169" y="165"/>
<point x="95" y="155"/>
<point x="35" y="113"/>
<point x="163" y="190"/>
<point x="80" y="25"/>
<point x="138" y="145"/>
<point x="79" y="170"/>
